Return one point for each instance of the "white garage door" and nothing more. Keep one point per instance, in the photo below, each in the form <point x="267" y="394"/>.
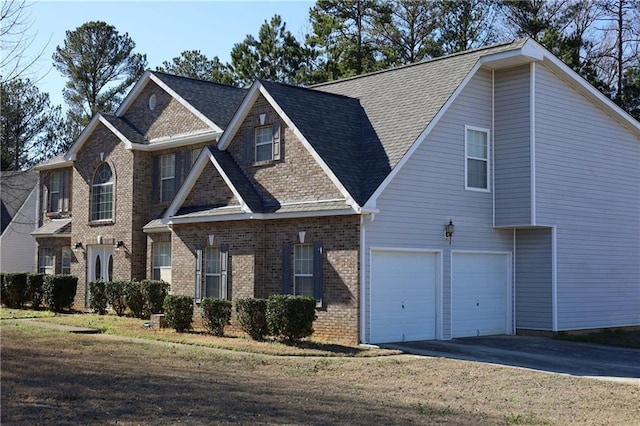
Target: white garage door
<point x="480" y="294"/>
<point x="403" y="296"/>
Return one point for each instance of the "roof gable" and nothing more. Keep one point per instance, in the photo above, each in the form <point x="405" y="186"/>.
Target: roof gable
<point x="116" y="125"/>
<point x="16" y="186"/>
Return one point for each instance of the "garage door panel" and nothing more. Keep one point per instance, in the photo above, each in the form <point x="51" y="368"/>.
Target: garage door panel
<point x="403" y="296"/>
<point x="480" y="288"/>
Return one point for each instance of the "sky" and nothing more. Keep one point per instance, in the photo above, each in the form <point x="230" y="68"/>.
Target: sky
<point x="160" y="29"/>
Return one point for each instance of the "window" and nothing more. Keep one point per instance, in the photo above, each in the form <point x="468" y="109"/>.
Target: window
<point x="303" y="270"/>
<point x="212" y="269"/>
<point x="162" y="262"/>
<point x="46" y="261"/>
<point x="66" y="261"/>
<point x="194" y="155"/>
<point x="264" y="144"/>
<point x="477" y="158"/>
<point x="102" y="194"/>
<point x="167" y="177"/>
<point x="54" y="192"/>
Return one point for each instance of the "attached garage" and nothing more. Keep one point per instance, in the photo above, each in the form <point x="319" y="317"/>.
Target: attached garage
<point x="481" y="295"/>
<point x="403" y="297"/>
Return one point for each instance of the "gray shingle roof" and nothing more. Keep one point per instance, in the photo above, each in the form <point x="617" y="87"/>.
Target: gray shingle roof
<point x="15" y="187"/>
<point x="126" y="128"/>
<point x="218" y="102"/>
<point x="55" y="228"/>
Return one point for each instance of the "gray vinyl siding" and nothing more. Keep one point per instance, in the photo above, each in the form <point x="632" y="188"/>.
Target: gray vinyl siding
<point x="430" y="190"/>
<point x="534" y="278"/>
<point x="512" y="147"/>
<point x="587" y="185"/>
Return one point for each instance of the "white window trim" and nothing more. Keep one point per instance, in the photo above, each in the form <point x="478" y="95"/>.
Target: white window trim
<point x="296" y="275"/>
<point x="256" y="144"/>
<point x="42" y="267"/>
<point x="111" y="184"/>
<point x="161" y="268"/>
<point x="171" y="177"/>
<point x="468" y="157"/>
<point x="66" y="254"/>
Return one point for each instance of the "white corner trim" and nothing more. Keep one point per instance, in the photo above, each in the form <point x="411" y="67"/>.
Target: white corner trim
<point x="554" y="279"/>
<point x="371" y="202"/>
<point x="532" y="140"/>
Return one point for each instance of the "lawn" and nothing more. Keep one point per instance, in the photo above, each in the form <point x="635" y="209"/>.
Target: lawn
<point x="54" y="377"/>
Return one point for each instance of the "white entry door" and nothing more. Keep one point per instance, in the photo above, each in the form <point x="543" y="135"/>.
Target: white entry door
<point x="99" y="265"/>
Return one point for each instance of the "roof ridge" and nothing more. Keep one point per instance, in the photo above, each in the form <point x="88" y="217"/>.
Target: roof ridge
<point x="307" y="88"/>
<point x="197" y="80"/>
<point x="423" y="62"/>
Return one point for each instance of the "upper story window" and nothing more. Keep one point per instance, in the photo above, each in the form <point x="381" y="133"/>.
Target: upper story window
<point x="167" y="177"/>
<point x="57" y="191"/>
<point x="262" y="144"/>
<point x="477" y="158"/>
<point x="195" y="153"/>
<point x="102" y="193"/>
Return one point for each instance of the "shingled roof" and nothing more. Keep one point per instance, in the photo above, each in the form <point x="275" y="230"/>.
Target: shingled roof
<point x="217" y="102"/>
<point x="15" y="189"/>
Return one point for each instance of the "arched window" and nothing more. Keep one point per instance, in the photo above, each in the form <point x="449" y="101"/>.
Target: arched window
<point x="102" y="193"/>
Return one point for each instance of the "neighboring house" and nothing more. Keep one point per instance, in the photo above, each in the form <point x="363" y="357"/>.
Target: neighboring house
<point x="344" y="192"/>
<point x="18" y="198"/>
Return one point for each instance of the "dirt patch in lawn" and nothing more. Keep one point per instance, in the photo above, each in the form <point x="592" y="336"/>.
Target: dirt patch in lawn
<point x="50" y="377"/>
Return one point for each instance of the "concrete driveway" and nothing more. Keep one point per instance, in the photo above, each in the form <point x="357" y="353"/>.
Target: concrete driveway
<point x="537" y="353"/>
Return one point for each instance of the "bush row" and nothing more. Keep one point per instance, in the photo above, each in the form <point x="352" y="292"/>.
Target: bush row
<point x="143" y="298"/>
<point x="285" y="317"/>
<point x="20" y="289"/>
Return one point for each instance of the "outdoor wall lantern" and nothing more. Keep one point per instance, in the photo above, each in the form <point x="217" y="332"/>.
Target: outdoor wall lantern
<point x="301" y="236"/>
<point x="119" y="245"/>
<point x="449" y="230"/>
<point x="78" y="247"/>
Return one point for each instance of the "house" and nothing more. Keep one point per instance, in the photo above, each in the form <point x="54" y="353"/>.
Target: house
<point x="492" y="191"/>
<point x="18" y="196"/>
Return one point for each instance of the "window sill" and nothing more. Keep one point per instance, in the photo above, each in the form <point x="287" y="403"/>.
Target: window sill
<point x="263" y="163"/>
<point x="103" y="222"/>
<point x="56" y="215"/>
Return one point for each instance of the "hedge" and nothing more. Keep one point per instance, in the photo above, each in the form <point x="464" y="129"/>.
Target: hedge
<point x="153" y="292"/>
<point x="35" y="282"/>
<point x="59" y="291"/>
<point x="134" y="298"/>
<point x="98" y="300"/>
<point x="15" y="291"/>
<point x="115" y="292"/>
<point x="290" y="317"/>
<point x="178" y="312"/>
<point x="252" y="317"/>
<point x="216" y="313"/>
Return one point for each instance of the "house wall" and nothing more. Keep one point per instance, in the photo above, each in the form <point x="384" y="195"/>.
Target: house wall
<point x="120" y="228"/>
<point x="512" y="147"/>
<point x="430" y="190"/>
<point x="211" y="190"/>
<point x="587" y="177"/>
<point x="296" y="176"/>
<point x="534" y="278"/>
<point x="168" y="118"/>
<point x="17" y="254"/>
<point x="255" y="263"/>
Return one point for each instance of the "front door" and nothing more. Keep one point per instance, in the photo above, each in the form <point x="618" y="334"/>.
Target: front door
<point x="99" y="266"/>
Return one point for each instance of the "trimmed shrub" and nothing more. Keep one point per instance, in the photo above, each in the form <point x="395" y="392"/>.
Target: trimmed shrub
<point x="154" y="293"/>
<point x="216" y="313"/>
<point x="15" y="289"/>
<point x="98" y="297"/>
<point x="115" y="291"/>
<point x="35" y="282"/>
<point x="2" y="295"/>
<point x="290" y="317"/>
<point x="59" y="291"/>
<point x="178" y="312"/>
<point x="252" y="317"/>
<point x="134" y="298"/>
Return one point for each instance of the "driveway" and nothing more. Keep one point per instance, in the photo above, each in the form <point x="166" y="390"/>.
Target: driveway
<point x="537" y="353"/>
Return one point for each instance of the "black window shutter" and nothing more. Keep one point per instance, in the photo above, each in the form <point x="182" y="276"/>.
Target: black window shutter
<point x="317" y="272"/>
<point x="276" y="141"/>
<point x="155" y="191"/>
<point x="198" y="275"/>
<point x="286" y="268"/>
<point x="177" y="175"/>
<point x="187" y="163"/>
<point x="248" y="145"/>
<point x="224" y="268"/>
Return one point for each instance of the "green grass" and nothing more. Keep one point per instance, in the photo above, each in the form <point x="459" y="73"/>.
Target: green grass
<point x="628" y="338"/>
<point x="6" y="313"/>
